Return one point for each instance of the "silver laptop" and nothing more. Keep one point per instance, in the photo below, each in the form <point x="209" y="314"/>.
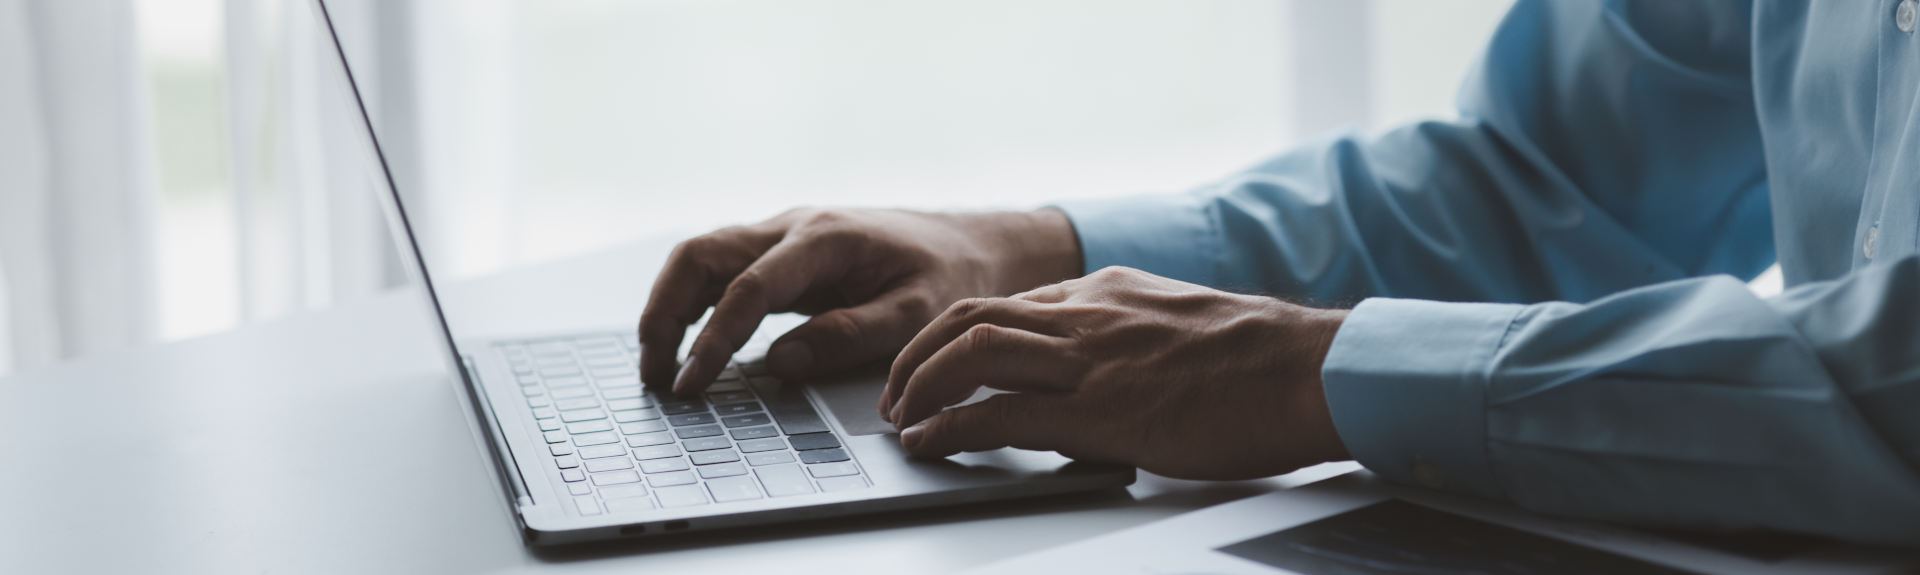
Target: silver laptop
<point x="584" y="452"/>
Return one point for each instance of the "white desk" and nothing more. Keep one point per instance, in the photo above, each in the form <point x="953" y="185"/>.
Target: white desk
<point x="329" y="442"/>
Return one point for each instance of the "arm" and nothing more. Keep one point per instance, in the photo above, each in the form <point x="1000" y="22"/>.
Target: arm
<point x="1690" y="403"/>
<point x="1598" y="150"/>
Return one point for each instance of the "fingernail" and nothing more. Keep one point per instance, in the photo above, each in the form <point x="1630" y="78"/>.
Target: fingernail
<point x="894" y="416"/>
<point x="910" y="438"/>
<point x="680" y="380"/>
<point x="790" y="357"/>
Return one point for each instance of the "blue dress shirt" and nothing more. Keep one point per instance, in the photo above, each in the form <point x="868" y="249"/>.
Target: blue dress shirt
<point x="1551" y="306"/>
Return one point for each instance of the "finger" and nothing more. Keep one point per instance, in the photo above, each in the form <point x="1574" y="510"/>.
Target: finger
<point x="691" y="281"/>
<point x="773" y="282"/>
<point x="990" y="355"/>
<point x="1050" y="293"/>
<point x="849" y="337"/>
<point x="950" y="324"/>
<point x="1023" y="421"/>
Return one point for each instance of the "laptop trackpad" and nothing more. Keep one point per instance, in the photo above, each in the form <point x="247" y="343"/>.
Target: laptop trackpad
<point x="854" y="400"/>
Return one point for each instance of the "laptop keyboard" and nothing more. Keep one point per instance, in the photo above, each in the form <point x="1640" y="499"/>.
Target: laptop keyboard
<point x="620" y="447"/>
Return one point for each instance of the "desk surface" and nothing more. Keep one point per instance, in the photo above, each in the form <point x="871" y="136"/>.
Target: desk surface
<point x="331" y="442"/>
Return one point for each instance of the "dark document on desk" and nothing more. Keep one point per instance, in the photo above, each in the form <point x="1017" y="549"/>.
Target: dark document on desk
<point x="1397" y="537"/>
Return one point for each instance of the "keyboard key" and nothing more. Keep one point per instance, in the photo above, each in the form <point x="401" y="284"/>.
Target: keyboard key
<point x="638" y="415"/>
<point x="629" y="404"/>
<point x="715" y="456"/>
<point x="690" y="419"/>
<point x="624" y="491"/>
<point x="571" y="475"/>
<point x="679" y="407"/>
<point x="736" y="488"/>
<point x="572" y="392"/>
<point x="754" y="445"/>
<point x="728" y="386"/>
<point x="628" y="505"/>
<point x="670" y="479"/>
<point x="545" y="413"/>
<point x="582" y="415"/>
<point x="748" y="433"/>
<point x="832" y="484"/>
<point x="722" y="470"/>
<point x="567" y="461"/>
<point x="559" y="449"/>
<point x="576" y="403"/>
<point x="560" y="371"/>
<point x="706" y="443"/>
<point x="732" y="397"/>
<point x="652" y="466"/>
<point x="640" y="427"/>
<point x="579" y="489"/>
<point x="747" y="420"/>
<point x="682" y="496"/>
<point x="602" y="451"/>
<point x="587" y="505"/>
<point x="754" y="368"/>
<point x="586" y="427"/>
<point x="610" y="464"/>
<point x="813" y="441"/>
<point x="532" y="391"/>
<point x="600" y="438"/>
<point x="656" y="451"/>
<point x="621" y="393"/>
<point x="539" y="401"/>
<point x="789" y="406"/>
<point x="647" y="439"/>
<point x="615" y="477"/>
<point x="784" y="480"/>
<point x="837" y="469"/>
<point x="824" y="455"/>
<point x="698" y="431"/>
<point x="556" y="436"/>
<point x="549" y="424"/>
<point x="612" y="373"/>
<point x="769" y="458"/>
<point x="738" y="408"/>
<point x="566" y="382"/>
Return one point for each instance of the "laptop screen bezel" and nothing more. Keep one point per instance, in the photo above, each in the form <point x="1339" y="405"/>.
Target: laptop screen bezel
<point x="507" y="471"/>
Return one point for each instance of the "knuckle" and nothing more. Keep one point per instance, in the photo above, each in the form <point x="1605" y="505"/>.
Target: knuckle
<point x="824" y="218"/>
<point x="968" y="307"/>
<point x="748" y="285"/>
<point x="980" y="338"/>
<point x="841" y="326"/>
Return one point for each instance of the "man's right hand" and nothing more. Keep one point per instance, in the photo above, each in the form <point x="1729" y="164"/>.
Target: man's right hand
<point x="870" y="278"/>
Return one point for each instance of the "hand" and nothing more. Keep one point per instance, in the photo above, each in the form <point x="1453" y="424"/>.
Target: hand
<point x="1124" y="366"/>
<point x="870" y="278"/>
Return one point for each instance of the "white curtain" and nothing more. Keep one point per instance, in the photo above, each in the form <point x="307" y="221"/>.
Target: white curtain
<point x="80" y="203"/>
<point x="76" y="166"/>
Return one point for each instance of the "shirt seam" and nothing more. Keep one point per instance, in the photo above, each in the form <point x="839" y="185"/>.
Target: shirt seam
<point x="1485" y="383"/>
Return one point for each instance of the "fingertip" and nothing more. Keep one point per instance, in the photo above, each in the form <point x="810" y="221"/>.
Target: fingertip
<point x="680" y="380"/>
<point x="912" y="437"/>
<point x="790" y="359"/>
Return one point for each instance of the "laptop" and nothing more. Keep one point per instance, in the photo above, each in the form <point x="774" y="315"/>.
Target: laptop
<point x="584" y="452"/>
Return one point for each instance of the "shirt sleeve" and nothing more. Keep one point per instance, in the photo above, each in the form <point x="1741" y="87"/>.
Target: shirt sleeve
<point x="1692" y="403"/>
<point x="1600" y="147"/>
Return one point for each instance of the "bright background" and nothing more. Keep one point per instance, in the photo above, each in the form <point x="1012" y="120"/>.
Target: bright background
<point x="527" y="131"/>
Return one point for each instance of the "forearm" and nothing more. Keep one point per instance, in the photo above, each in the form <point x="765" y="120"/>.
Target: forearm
<point x="1691" y="403"/>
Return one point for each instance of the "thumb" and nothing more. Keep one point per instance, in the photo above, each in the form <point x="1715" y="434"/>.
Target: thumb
<point x="1034" y="421"/>
<point x="850" y="337"/>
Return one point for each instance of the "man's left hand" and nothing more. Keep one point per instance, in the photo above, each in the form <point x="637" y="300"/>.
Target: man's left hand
<point x="1124" y="366"/>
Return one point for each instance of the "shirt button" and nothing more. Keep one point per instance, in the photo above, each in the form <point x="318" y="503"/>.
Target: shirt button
<point x="1873" y="237"/>
<point x="1905" y="16"/>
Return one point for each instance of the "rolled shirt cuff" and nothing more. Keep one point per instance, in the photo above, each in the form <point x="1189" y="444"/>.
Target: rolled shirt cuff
<point x="1171" y="236"/>
<point x="1406" y="382"/>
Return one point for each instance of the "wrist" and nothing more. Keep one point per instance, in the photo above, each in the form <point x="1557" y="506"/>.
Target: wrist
<point x="1322" y="438"/>
<point x="1027" y="249"/>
